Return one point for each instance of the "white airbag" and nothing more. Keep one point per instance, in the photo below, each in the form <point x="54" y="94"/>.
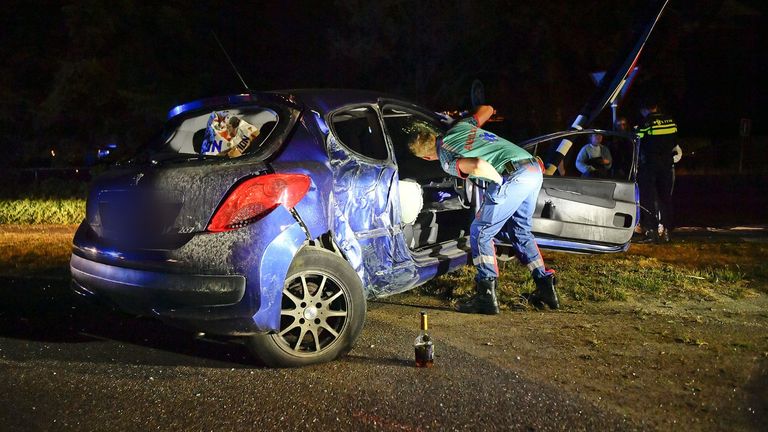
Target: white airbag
<point x="411" y="201"/>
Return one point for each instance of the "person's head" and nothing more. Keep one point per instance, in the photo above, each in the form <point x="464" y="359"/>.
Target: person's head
<point x="595" y="139"/>
<point x="423" y="145"/>
<point x="621" y="125"/>
<point x="648" y="104"/>
<point x="232" y="125"/>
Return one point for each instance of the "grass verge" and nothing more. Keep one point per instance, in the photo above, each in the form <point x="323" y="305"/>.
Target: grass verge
<point x="703" y="271"/>
<point x="50" y="201"/>
<point x="42" y="211"/>
<point x="692" y="270"/>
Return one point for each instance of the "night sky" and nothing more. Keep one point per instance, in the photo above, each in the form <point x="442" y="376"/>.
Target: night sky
<point x="77" y="75"/>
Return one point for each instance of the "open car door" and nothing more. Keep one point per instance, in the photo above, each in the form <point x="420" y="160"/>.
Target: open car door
<point x="584" y="214"/>
<point x="580" y="214"/>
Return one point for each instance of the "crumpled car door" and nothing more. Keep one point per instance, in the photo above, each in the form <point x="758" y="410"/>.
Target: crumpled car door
<point x="364" y="202"/>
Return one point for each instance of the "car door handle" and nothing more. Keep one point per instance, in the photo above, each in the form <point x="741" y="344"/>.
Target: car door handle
<point x="563" y="190"/>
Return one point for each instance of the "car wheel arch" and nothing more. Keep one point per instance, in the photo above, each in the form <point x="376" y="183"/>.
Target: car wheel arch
<point x="324" y="270"/>
<point x="327" y="241"/>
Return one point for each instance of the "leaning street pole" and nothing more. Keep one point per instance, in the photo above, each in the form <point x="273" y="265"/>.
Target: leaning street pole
<point x="609" y="86"/>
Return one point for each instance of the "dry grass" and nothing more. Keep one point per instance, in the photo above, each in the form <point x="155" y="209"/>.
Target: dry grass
<point x="35" y="249"/>
<point x="691" y="270"/>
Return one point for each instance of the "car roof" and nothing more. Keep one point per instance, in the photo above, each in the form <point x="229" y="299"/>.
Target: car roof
<point x="321" y="100"/>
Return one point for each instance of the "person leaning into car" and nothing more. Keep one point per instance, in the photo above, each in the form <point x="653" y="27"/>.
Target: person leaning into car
<point x="510" y="199"/>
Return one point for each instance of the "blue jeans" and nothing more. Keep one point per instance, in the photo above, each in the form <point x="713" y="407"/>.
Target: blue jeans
<point x="509" y="204"/>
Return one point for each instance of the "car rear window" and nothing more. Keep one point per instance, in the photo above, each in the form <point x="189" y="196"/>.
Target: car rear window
<point x="225" y="133"/>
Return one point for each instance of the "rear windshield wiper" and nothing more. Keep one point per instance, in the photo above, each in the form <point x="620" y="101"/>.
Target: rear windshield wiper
<point x="180" y="157"/>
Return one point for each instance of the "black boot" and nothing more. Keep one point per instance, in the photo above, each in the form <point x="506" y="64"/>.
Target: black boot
<point x="484" y="301"/>
<point x="664" y="237"/>
<point x="545" y="292"/>
<point x="650" y="236"/>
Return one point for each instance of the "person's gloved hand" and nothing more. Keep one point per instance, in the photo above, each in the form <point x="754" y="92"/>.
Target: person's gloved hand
<point x="596" y="162"/>
<point x="445" y="118"/>
<point x="677" y="154"/>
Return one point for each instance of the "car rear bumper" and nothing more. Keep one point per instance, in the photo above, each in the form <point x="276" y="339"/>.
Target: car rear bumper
<point x="145" y="292"/>
<point x="227" y="283"/>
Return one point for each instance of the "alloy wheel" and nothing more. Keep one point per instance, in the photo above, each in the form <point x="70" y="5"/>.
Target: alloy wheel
<point x="314" y="313"/>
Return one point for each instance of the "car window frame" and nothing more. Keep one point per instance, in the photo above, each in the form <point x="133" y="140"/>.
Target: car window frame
<point x="413" y="110"/>
<point x="286" y="110"/>
<point x="389" y="161"/>
<point x="531" y="145"/>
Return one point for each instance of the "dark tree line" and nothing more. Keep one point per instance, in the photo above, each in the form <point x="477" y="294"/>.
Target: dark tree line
<point x="76" y="76"/>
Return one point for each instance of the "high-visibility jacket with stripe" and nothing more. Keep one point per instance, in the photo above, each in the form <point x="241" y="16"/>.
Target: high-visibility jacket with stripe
<point x="658" y="136"/>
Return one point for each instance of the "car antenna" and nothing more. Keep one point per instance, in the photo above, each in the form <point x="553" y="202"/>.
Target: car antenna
<point x="231" y="63"/>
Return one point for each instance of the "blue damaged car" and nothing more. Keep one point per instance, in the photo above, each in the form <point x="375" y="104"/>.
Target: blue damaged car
<point x="274" y="216"/>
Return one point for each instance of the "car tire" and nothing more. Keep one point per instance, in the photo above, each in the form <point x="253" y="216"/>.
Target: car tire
<point x="322" y="312"/>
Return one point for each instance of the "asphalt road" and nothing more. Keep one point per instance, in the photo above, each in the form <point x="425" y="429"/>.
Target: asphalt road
<point x="67" y="365"/>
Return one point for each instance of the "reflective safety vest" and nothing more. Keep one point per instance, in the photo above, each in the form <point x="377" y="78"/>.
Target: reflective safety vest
<point x="658" y="136"/>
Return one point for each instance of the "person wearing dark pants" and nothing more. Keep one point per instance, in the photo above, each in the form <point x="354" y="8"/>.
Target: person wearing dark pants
<point x="510" y="199"/>
<point x="656" y="172"/>
<point x="656" y="186"/>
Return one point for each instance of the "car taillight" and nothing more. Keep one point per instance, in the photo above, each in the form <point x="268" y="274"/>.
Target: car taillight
<point x="256" y="197"/>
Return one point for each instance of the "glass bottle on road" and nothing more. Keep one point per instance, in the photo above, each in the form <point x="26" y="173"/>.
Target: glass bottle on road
<point x="423" y="345"/>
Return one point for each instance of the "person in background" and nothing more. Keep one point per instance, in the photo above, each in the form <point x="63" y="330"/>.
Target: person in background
<point x="594" y="159"/>
<point x="621" y="149"/>
<point x="656" y="171"/>
<point x="510" y="199"/>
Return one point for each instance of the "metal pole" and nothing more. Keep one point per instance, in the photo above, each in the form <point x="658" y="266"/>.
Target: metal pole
<point x="609" y="85"/>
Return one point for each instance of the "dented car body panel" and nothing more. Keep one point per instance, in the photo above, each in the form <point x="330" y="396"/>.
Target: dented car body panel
<point x="366" y="224"/>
